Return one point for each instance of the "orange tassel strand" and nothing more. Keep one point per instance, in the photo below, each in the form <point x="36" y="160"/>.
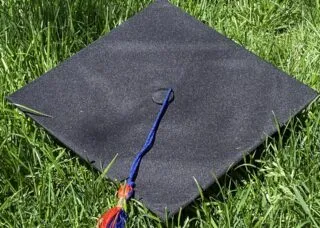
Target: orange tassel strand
<point x="116" y="216"/>
<point x="109" y="218"/>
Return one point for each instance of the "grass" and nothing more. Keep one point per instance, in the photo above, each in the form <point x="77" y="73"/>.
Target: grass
<point x="42" y="184"/>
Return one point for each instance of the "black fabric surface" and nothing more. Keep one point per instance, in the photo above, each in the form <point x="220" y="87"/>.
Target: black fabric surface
<point x="226" y="98"/>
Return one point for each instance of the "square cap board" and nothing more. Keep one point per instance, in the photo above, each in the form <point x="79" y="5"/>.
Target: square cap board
<point x="226" y="99"/>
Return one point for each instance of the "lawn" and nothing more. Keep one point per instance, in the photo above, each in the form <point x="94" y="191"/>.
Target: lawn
<point x="43" y="184"/>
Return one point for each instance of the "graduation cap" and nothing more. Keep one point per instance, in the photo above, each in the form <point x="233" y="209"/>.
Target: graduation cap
<point x="104" y="100"/>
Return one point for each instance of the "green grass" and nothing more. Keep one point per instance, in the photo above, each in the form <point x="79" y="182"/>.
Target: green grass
<point x="42" y="184"/>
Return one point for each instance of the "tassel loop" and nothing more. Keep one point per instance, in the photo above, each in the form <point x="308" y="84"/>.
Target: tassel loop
<point x="125" y="191"/>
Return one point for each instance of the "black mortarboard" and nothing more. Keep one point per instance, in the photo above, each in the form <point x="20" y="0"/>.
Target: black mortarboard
<point x="103" y="102"/>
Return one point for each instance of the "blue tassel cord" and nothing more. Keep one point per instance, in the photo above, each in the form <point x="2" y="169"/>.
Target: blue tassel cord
<point x="116" y="217"/>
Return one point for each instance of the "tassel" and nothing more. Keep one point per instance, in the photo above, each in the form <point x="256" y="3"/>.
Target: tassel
<point x="116" y="217"/>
